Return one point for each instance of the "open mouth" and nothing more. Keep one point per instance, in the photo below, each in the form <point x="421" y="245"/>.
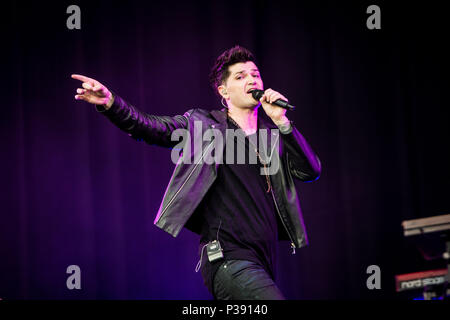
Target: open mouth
<point x="250" y="90"/>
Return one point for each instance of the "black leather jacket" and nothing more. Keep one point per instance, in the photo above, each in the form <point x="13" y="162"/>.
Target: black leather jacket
<point x="178" y="205"/>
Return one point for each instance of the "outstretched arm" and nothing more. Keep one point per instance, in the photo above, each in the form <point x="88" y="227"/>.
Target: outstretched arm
<point x="139" y="125"/>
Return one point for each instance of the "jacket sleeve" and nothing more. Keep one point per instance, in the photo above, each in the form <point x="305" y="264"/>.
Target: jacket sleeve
<point x="154" y="130"/>
<point x="301" y="160"/>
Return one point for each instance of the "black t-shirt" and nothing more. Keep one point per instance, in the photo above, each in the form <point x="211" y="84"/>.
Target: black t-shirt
<point x="239" y="203"/>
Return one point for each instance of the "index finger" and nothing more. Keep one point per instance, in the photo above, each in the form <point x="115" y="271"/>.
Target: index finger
<point x="82" y="78"/>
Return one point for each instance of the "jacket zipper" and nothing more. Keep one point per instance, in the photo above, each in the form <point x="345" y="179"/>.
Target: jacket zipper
<point x="276" y="206"/>
<point x="284" y="225"/>
<point x="190" y="174"/>
<point x="279" y="214"/>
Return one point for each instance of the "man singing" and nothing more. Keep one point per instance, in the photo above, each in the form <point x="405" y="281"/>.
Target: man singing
<point x="239" y="208"/>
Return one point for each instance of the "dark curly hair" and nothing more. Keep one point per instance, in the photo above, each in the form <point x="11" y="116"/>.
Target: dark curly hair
<point x="220" y="72"/>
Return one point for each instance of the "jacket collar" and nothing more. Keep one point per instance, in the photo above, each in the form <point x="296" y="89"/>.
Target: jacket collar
<point x="221" y="117"/>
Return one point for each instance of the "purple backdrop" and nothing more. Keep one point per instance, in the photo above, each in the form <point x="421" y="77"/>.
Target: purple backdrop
<point x="78" y="191"/>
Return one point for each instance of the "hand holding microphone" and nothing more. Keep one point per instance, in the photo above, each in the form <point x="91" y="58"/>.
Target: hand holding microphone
<point x="283" y="103"/>
<point x="274" y="104"/>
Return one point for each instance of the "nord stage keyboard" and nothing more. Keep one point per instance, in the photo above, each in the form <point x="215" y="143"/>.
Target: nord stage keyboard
<point x="420" y="280"/>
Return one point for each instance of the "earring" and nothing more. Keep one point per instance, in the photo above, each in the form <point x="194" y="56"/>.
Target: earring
<point x="223" y="103"/>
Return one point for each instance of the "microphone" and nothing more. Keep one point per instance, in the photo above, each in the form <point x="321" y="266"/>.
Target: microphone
<point x="257" y="94"/>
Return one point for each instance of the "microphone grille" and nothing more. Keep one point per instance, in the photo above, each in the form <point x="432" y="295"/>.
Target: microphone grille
<point x="257" y="94"/>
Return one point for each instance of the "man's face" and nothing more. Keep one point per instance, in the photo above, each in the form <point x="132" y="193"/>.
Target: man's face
<point x="243" y="77"/>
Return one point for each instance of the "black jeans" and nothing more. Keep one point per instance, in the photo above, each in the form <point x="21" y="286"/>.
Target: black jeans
<point x="244" y="280"/>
